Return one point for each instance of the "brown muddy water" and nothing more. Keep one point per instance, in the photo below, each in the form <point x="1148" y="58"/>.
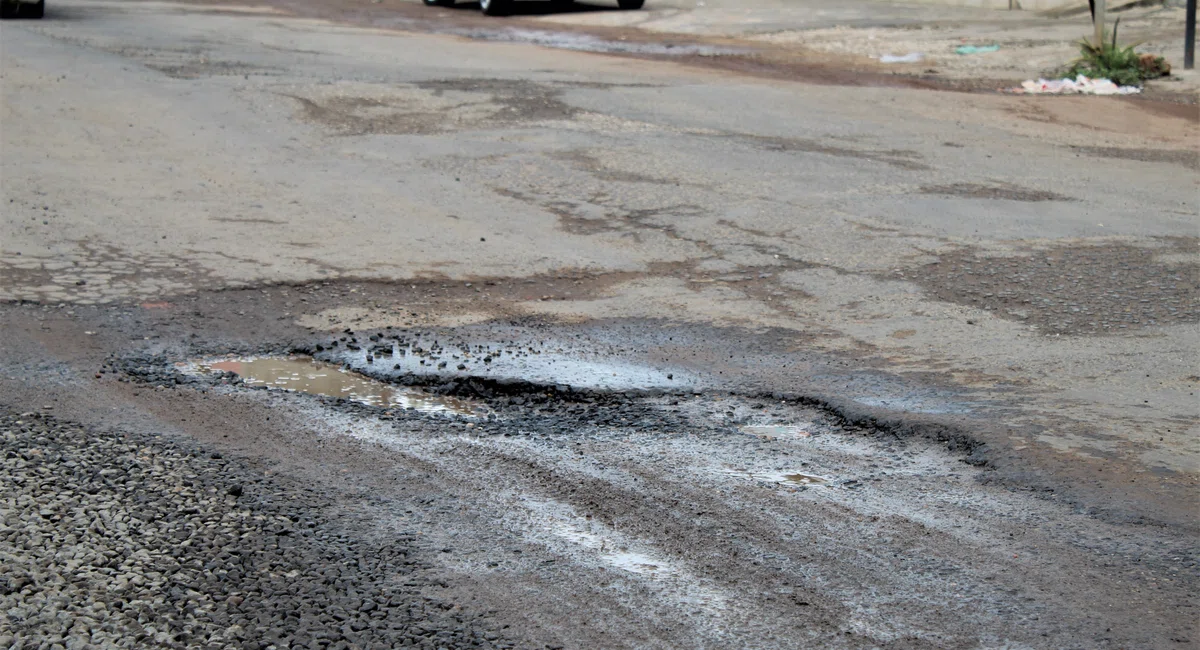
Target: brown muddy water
<point x="781" y="477"/>
<point x="307" y="375"/>
<point x="772" y="431"/>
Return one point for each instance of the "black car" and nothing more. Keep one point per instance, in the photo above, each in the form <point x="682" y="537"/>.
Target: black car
<point x="23" y="8"/>
<point x="501" y="7"/>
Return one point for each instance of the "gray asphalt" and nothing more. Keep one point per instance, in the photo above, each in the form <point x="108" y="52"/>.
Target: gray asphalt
<point x="1022" y="269"/>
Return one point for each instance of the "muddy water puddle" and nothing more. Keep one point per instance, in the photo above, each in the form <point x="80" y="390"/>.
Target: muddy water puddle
<point x="777" y="430"/>
<point x="786" y="477"/>
<point x="307" y="375"/>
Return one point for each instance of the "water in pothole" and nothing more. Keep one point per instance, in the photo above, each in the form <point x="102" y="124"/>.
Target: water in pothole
<point x="777" y="430"/>
<point x="306" y="375"/>
<point x="782" y="477"/>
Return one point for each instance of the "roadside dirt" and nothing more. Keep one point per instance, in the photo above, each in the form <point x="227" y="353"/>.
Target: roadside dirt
<point x="829" y="57"/>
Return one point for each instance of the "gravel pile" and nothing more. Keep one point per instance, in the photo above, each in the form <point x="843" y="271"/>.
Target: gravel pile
<point x="134" y="542"/>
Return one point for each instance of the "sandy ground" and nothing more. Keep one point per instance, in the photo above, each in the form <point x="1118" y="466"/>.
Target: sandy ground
<point x="1032" y="44"/>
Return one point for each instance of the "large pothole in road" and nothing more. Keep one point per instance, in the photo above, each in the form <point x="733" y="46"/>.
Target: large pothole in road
<point x="646" y="485"/>
<point x="544" y="390"/>
<point x="512" y="406"/>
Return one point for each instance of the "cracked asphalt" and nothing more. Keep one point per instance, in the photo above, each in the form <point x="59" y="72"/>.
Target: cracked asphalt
<point x="756" y="362"/>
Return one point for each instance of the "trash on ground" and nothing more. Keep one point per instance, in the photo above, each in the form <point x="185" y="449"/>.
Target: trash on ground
<point x="1079" y="85"/>
<point x="911" y="57"/>
<point x="975" y="49"/>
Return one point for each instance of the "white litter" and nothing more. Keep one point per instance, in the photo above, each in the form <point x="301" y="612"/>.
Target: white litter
<point x="911" y="57"/>
<point x="1079" y="85"/>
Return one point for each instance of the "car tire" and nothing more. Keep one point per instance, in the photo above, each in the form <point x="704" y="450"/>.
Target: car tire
<point x="8" y="9"/>
<point x="34" y="10"/>
<point x="562" y="4"/>
<point x="494" y="7"/>
<point x="630" y="4"/>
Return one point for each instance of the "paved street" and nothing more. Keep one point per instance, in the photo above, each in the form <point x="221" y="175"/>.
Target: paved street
<point x="748" y="361"/>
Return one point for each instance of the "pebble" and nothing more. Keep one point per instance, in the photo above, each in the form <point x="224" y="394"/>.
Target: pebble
<point x="111" y="541"/>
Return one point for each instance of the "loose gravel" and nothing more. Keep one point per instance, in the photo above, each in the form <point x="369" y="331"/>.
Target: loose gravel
<point x="131" y="541"/>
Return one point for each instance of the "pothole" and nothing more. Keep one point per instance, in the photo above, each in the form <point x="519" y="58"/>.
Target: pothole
<point x="307" y="375"/>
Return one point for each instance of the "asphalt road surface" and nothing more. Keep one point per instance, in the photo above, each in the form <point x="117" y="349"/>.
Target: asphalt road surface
<point x="644" y="347"/>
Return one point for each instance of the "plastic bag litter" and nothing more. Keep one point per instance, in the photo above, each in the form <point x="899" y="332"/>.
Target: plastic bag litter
<point x="976" y="49"/>
<point x="1079" y="85"/>
<point x="911" y="57"/>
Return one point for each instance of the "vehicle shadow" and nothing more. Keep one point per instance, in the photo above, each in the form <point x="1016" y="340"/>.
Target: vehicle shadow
<point x="74" y="13"/>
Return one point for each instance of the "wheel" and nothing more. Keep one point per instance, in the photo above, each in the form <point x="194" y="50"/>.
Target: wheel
<point x="439" y="3"/>
<point x="34" y="10"/>
<point x="562" y="4"/>
<point x="494" y="7"/>
<point x="8" y="9"/>
<point x="630" y="4"/>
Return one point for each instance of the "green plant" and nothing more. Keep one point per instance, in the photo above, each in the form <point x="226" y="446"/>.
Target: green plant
<point x="1107" y="60"/>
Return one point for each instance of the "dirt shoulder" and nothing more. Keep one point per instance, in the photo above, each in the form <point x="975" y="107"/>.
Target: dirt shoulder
<point x="825" y="43"/>
<point x="857" y="35"/>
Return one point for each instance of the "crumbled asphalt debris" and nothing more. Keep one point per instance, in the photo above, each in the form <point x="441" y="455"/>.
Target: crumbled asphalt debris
<point x="131" y="541"/>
